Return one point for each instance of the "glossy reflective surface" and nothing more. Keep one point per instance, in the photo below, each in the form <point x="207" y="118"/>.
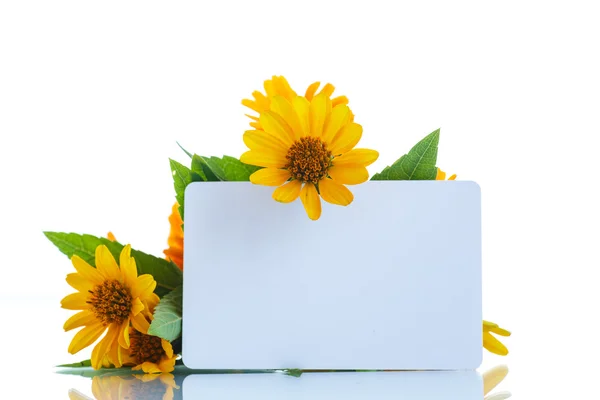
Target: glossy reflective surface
<point x="414" y="385"/>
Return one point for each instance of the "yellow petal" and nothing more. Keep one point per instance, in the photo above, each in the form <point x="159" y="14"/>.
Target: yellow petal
<point x="102" y="348"/>
<point x="452" y="177"/>
<point x="270" y="176"/>
<point x="143" y="287"/>
<point x="349" y="174"/>
<point x="106" y="264"/>
<point x="150" y="368"/>
<point x="115" y="356"/>
<point x="364" y="157"/>
<point x="327" y="90"/>
<point x="334" y="193"/>
<point x="261" y="101"/>
<point x="85" y="317"/>
<point x="493" y="377"/>
<point x="75" y="301"/>
<point x="338" y="118"/>
<point x="346" y="139"/>
<point x="269" y="86"/>
<point x="311" y="201"/>
<point x="151" y="302"/>
<point x="274" y="125"/>
<point x="499" y="331"/>
<point x="440" y="176"/>
<point x="302" y="108"/>
<point x="78" y="282"/>
<point x="311" y="90"/>
<point x="318" y="114"/>
<point x="284" y="108"/>
<point x="283" y="87"/>
<point x="493" y="345"/>
<point x="339" y="100"/>
<point x="167" y="347"/>
<point x="251" y="104"/>
<point x="262" y="141"/>
<point x="264" y="159"/>
<point x="128" y="267"/>
<point x="86" y="270"/>
<point x="288" y="192"/>
<point x="85" y="337"/>
<point x="140" y="323"/>
<point x="123" y="334"/>
<point x="167" y="365"/>
<point x="137" y="306"/>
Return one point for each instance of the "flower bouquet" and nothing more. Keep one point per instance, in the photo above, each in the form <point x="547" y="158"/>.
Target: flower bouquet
<point x="305" y="146"/>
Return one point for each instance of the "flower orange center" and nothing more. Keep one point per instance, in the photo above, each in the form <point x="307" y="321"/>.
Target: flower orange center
<point x="111" y="302"/>
<point x="145" y="347"/>
<point x="308" y="159"/>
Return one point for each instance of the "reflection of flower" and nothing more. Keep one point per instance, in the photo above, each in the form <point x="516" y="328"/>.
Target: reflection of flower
<point x="158" y="386"/>
<point x="175" y="251"/>
<point x="109" y="297"/>
<point x="491" y="379"/>
<point x="490" y="342"/>
<point x="306" y="146"/>
<point x="441" y="176"/>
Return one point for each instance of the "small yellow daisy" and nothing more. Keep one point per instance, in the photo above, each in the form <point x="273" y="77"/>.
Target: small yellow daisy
<point x="306" y="146"/>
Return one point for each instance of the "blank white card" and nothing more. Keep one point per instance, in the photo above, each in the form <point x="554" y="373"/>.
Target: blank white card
<point x="393" y="281"/>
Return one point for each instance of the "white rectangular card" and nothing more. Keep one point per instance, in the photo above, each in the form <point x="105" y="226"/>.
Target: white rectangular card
<point x="392" y="281"/>
<point x="432" y="385"/>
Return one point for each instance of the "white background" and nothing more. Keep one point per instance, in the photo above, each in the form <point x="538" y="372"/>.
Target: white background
<point x="93" y="96"/>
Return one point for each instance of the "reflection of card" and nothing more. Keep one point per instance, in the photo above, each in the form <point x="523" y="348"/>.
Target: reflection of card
<point x="392" y="281"/>
<point x="448" y="385"/>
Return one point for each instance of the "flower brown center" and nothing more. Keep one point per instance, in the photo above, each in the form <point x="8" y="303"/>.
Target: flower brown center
<point x="111" y="302"/>
<point x="145" y="347"/>
<point x="308" y="159"/>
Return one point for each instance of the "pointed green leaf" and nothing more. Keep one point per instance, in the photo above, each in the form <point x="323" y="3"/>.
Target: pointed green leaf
<point x="167" y="316"/>
<point x="182" y="176"/>
<point x="226" y="168"/>
<point x="184" y="150"/>
<point x="166" y="274"/>
<point x="81" y="364"/>
<point x="418" y="164"/>
<point x="200" y="166"/>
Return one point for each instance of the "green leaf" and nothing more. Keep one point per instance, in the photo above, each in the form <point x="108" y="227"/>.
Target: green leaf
<point x="418" y="164"/>
<point x="81" y="364"/>
<point x="201" y="167"/>
<point x="297" y="373"/>
<point x="184" y="150"/>
<point x="167" y="316"/>
<point x="183" y="176"/>
<point x="226" y="168"/>
<point x="166" y="274"/>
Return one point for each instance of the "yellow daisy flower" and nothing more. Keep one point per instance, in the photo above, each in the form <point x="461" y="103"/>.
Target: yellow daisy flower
<point x="492" y="344"/>
<point x="148" y="353"/>
<point x="279" y="86"/>
<point x="441" y="176"/>
<point x="307" y="149"/>
<point x="109" y="297"/>
<point x="175" y="251"/>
